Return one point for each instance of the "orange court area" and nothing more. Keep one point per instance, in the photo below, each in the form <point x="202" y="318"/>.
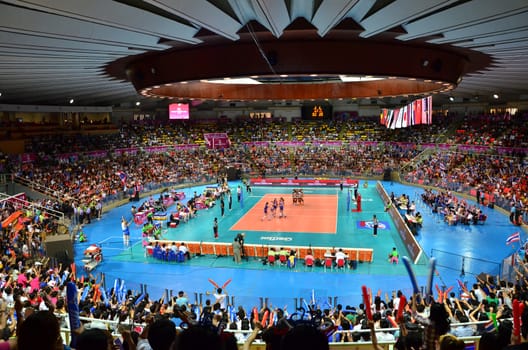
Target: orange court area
<point x="317" y="215"/>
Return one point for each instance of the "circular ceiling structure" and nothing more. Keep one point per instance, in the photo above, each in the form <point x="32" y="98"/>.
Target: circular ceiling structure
<point x="300" y="65"/>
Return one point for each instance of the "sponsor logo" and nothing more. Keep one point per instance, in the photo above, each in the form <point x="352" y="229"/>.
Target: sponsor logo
<point x="270" y="238"/>
<point x="382" y="225"/>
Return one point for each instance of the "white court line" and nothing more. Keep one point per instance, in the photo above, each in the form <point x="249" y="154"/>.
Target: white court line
<point x="117" y="238"/>
<point x="111" y="237"/>
<point x="109" y="248"/>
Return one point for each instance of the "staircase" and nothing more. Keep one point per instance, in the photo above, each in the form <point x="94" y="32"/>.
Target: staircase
<point x="416" y="161"/>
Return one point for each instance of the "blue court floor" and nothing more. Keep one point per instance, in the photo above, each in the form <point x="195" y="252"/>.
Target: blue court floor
<point x="482" y="246"/>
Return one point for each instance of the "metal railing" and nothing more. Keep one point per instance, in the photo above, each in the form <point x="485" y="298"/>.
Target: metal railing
<point x="35" y="186"/>
<point x="4" y="178"/>
<point x="467" y="264"/>
<point x="58" y="215"/>
<point x="417" y="160"/>
<point x="113" y="326"/>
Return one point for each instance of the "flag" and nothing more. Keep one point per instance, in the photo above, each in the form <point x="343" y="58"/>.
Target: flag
<point x="405" y="122"/>
<point x="516" y="237"/>
<point x="122" y="176"/>
<point x="427" y="110"/>
<point x="489" y="326"/>
<point x="383" y="117"/>
<point x="398" y="115"/>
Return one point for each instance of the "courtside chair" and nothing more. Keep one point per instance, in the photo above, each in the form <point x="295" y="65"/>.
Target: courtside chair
<point x="271" y="260"/>
<point x="341" y="264"/>
<point x="328" y="264"/>
<point x="308" y="264"/>
<point x="171" y="256"/>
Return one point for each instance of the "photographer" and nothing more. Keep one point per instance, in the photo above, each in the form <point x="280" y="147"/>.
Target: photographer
<point x="240" y="240"/>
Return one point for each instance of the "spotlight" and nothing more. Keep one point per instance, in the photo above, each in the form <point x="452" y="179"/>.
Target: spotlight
<point x="451" y="98"/>
<point x="0" y="94"/>
<point x="72" y="100"/>
<point x="496" y="96"/>
<point x="138" y="103"/>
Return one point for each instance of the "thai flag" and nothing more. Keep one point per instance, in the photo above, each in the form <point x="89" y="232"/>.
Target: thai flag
<point x="122" y="176"/>
<point x="516" y="237"/>
<point x="489" y="327"/>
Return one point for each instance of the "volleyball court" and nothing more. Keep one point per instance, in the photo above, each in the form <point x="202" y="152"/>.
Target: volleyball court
<point x="316" y="214"/>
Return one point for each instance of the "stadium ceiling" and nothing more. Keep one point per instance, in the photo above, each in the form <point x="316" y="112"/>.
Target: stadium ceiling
<point x="102" y="52"/>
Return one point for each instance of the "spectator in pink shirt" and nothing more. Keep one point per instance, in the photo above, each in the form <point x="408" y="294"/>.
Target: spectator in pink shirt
<point x="35" y="282"/>
<point x="22" y="278"/>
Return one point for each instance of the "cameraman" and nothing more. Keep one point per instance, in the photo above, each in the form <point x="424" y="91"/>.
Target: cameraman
<point x="240" y="239"/>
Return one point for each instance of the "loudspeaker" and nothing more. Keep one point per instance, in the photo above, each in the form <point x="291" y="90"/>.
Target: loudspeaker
<point x="59" y="247"/>
<point x="232" y="174"/>
<point x="387" y="174"/>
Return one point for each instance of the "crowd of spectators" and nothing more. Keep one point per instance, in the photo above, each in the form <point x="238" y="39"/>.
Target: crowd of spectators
<point x="453" y="209"/>
<point x="366" y="149"/>
<point x="35" y="289"/>
<point x="493" y="130"/>
<point x="502" y="180"/>
<point x="83" y="184"/>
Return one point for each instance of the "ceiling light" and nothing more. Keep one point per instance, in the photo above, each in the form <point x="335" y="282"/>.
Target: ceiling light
<point x="0" y="94"/>
<point x="71" y="100"/>
<point x="495" y="96"/>
<point x="451" y="98"/>
<point x="351" y="78"/>
<point x="138" y="103"/>
<point x="234" y="81"/>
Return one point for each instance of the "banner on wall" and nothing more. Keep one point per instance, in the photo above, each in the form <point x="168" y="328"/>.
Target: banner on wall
<point x="217" y="140"/>
<point x="302" y="182"/>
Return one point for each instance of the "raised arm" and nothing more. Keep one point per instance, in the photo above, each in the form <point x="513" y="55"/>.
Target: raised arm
<point x="251" y="338"/>
<point x="373" y="336"/>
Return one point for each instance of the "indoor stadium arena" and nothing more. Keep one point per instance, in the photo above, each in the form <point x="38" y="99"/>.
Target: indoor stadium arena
<point x="264" y="174"/>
